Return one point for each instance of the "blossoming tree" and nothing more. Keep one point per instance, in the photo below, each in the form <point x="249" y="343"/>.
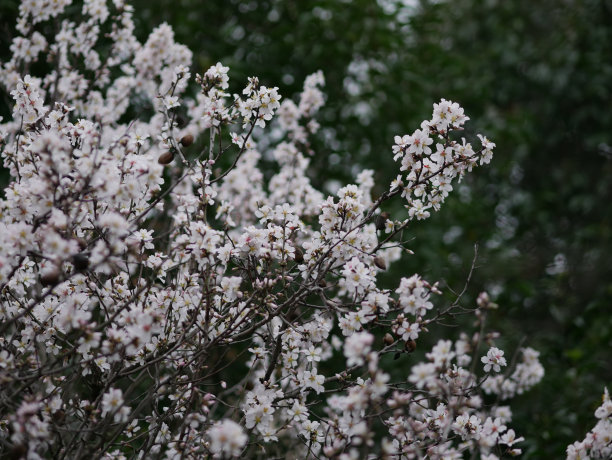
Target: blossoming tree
<point x="162" y="297"/>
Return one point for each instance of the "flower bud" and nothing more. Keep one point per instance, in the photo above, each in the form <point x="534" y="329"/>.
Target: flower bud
<point x="187" y="140"/>
<point x="483" y="300"/>
<point x="410" y="346"/>
<point x="388" y="339"/>
<point x="329" y="451"/>
<point x="166" y="158"/>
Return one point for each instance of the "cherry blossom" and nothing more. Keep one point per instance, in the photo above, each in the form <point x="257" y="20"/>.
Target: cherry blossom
<point x="494" y="359"/>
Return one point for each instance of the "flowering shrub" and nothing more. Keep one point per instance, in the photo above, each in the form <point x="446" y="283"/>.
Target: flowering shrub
<point x="160" y="296"/>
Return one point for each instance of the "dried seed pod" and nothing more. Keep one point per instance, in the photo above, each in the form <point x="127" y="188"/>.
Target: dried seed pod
<point x="133" y="282"/>
<point x="17" y="452"/>
<point x="82" y="243"/>
<point x="50" y="278"/>
<point x="80" y="262"/>
<point x="166" y="158"/>
<point x="186" y="140"/>
<point x="380" y="263"/>
<point x="381" y="219"/>
<point x="59" y="416"/>
<point x="410" y="346"/>
<point x="388" y="339"/>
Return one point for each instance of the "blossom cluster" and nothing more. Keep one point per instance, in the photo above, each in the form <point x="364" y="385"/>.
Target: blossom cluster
<point x="162" y="295"/>
<point x="598" y="442"/>
<point x="429" y="175"/>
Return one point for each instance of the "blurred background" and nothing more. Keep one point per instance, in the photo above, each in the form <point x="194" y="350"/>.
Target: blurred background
<point x="536" y="78"/>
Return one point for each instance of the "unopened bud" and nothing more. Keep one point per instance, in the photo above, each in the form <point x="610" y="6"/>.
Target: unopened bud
<point x="388" y="339"/>
<point x="482" y="300"/>
<point x="329" y="451"/>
